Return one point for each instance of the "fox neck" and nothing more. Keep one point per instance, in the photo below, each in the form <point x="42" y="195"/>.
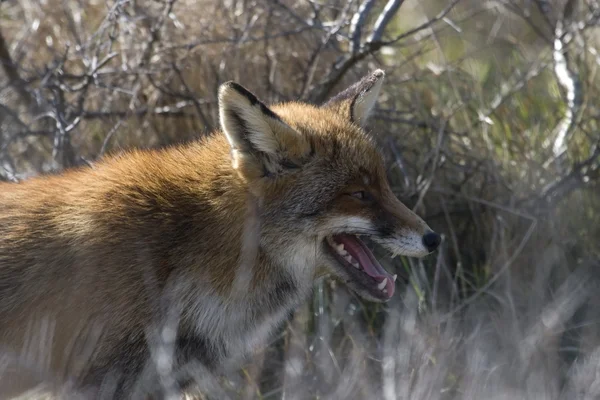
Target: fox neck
<point x="261" y="251"/>
<point x="259" y="278"/>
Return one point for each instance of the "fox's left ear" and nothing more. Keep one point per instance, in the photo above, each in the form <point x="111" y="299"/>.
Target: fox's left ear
<point x="357" y="101"/>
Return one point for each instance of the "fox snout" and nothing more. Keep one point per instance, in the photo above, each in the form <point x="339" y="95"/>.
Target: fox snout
<point x="402" y="231"/>
<point x="386" y="221"/>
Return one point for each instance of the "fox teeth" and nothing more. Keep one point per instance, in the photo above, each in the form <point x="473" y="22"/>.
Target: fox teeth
<point x="349" y="258"/>
<point x="355" y="264"/>
<point x="395" y="277"/>
<point x="340" y="247"/>
<point x="382" y="284"/>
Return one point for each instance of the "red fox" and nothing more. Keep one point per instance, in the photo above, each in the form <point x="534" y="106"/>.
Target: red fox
<point x="223" y="237"/>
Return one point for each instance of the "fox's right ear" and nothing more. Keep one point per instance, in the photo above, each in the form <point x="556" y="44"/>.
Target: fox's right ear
<point x="261" y="143"/>
<point x="357" y="101"/>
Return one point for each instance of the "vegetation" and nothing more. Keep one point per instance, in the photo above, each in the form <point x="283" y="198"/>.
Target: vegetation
<point x="490" y="121"/>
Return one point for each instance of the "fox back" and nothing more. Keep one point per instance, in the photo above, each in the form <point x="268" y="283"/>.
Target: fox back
<point x="151" y="261"/>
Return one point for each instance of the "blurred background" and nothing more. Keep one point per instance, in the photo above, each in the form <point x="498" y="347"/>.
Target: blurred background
<point x="488" y="120"/>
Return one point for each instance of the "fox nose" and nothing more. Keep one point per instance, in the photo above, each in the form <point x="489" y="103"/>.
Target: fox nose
<point x="431" y="241"/>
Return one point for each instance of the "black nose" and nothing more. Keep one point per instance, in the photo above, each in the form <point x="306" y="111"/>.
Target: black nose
<point x="431" y="240"/>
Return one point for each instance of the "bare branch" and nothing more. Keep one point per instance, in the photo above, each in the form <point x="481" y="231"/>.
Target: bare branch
<point x="12" y="73"/>
<point x="310" y="70"/>
<point x="442" y="14"/>
<point x="384" y="19"/>
<point x="568" y="80"/>
<point x="155" y="33"/>
<point x="174" y="110"/>
<point x="356" y="25"/>
<point x="338" y="71"/>
<point x="559" y="189"/>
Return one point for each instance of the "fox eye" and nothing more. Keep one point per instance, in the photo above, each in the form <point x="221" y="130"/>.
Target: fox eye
<point x="360" y="194"/>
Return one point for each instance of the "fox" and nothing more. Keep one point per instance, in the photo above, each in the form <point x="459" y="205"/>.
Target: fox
<point x="151" y="260"/>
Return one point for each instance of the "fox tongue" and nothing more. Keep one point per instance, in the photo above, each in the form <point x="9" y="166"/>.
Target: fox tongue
<point x="369" y="264"/>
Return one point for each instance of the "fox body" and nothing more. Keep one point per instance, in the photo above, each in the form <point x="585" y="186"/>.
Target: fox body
<point x="154" y="259"/>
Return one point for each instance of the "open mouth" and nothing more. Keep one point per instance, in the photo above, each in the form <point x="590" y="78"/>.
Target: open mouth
<point x="360" y="263"/>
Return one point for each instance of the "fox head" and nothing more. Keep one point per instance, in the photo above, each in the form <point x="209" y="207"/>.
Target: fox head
<point x="321" y="183"/>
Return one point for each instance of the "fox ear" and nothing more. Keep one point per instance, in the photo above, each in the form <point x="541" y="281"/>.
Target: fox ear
<point x="357" y="101"/>
<point x="259" y="139"/>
